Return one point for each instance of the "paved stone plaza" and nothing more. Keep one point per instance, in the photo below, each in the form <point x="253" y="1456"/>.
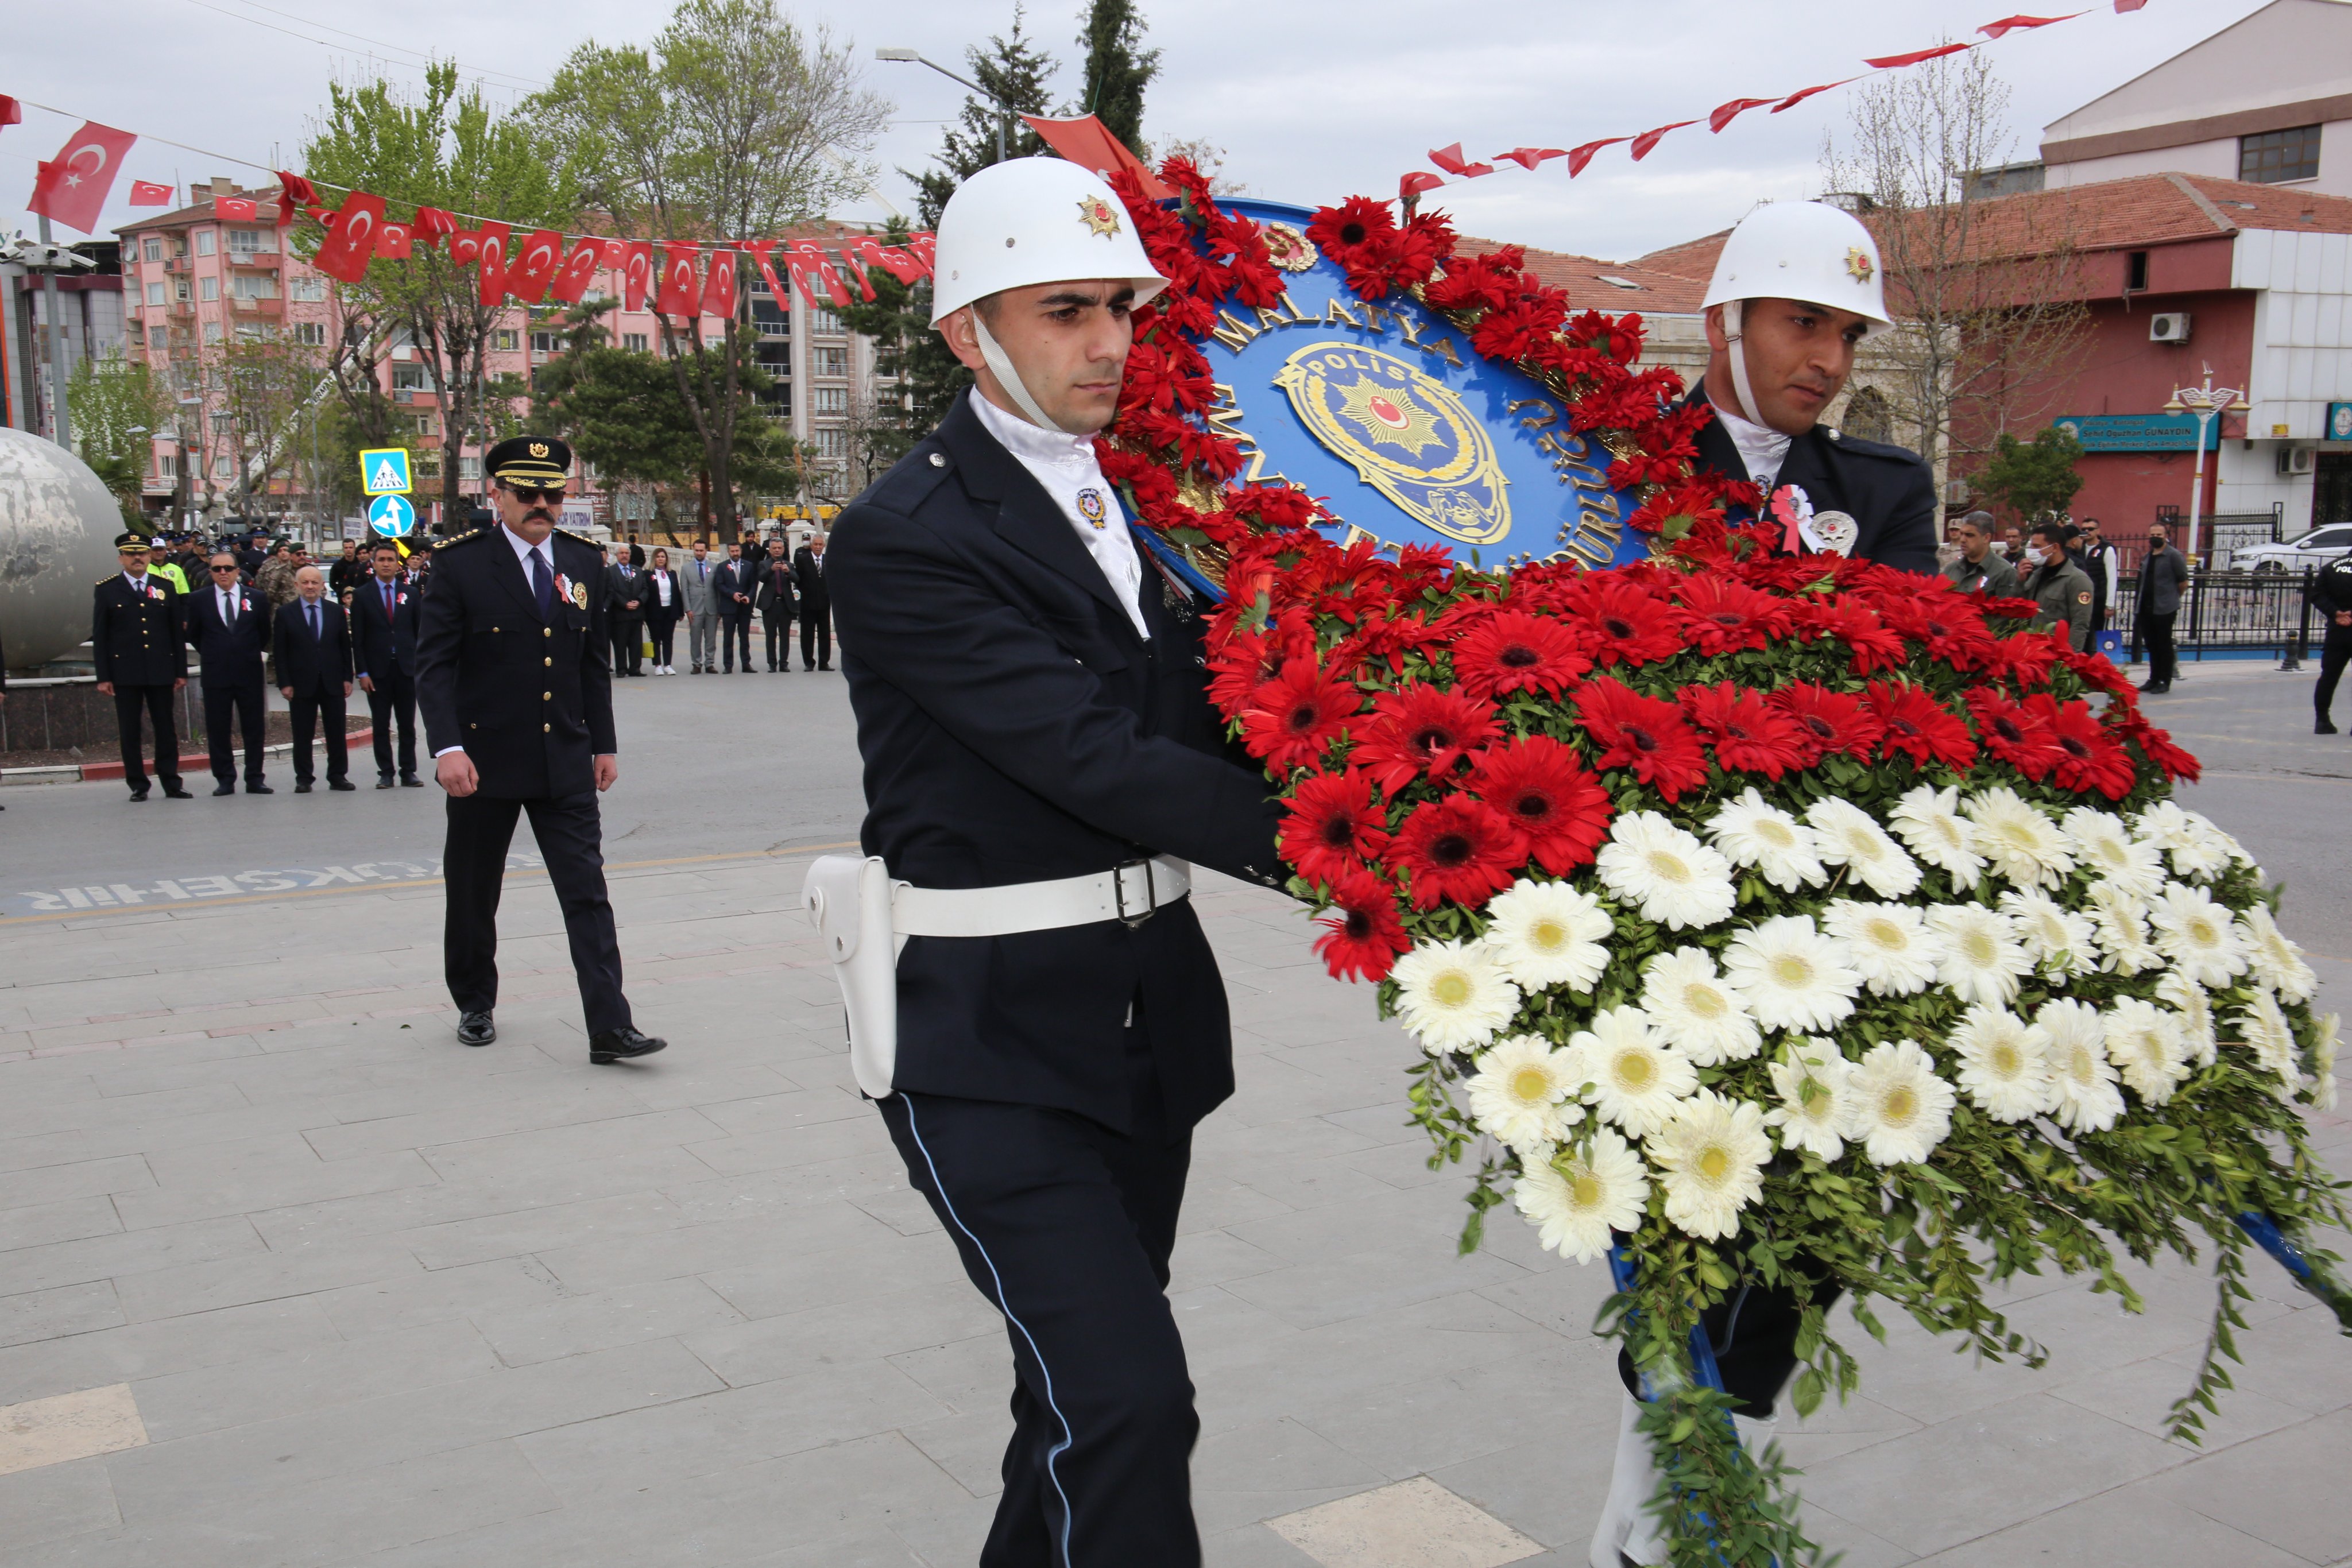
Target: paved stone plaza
<point x="288" y="1277"/>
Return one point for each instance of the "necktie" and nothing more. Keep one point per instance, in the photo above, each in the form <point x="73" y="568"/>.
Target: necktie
<point x="314" y="622"/>
<point x="228" y="608"/>
<point x="542" y="583"/>
<point x="387" y="601"/>
<point x="704" y="568"/>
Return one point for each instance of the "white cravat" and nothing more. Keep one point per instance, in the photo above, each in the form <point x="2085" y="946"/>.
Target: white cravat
<point x="1066" y="466"/>
<point x="1762" y="448"/>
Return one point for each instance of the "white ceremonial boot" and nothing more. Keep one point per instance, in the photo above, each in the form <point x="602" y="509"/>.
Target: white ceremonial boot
<point x="1628" y="1530"/>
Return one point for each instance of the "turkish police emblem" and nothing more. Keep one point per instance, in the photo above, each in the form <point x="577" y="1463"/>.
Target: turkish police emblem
<point x="1091" y="506"/>
<point x="579" y="596"/>
<point x="1405" y="433"/>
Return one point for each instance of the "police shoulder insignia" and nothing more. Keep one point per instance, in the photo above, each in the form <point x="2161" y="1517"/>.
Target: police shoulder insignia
<point x="2082" y="598"/>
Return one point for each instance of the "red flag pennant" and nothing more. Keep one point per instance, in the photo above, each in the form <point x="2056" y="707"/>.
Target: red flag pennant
<point x="636" y="274"/>
<point x="1892" y="62"/>
<point x="870" y="253"/>
<point x="719" y="284"/>
<point x="1795" y="98"/>
<point x="612" y="253"/>
<point x="679" y="296"/>
<point x="11" y="111"/>
<point x="490" y="283"/>
<point x="1089" y="144"/>
<point x="1416" y="184"/>
<point x="1529" y="157"/>
<point x="2008" y="25"/>
<point x="236" y="209"/>
<point x="579" y="271"/>
<point x="1578" y="157"/>
<point x="819" y="266"/>
<point x="148" y="194"/>
<point x="1725" y="113"/>
<point x="1450" y="159"/>
<point x="465" y="247"/>
<point x="535" y="262"/>
<point x="2124" y="7"/>
<point x="853" y="267"/>
<point x="294" y="193"/>
<point x="900" y="262"/>
<point x="1649" y="139"/>
<point x="760" y="249"/>
<point x="924" y="246"/>
<point x="432" y="223"/>
<point x="395" y="242"/>
<point x="351" y="241"/>
<point x="72" y="187"/>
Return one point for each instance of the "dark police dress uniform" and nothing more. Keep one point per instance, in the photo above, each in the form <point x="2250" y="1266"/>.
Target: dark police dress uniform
<point x="138" y="644"/>
<point x="1015" y="728"/>
<point x="383" y="649"/>
<point x="511" y="670"/>
<point x="2331" y="594"/>
<point x="1887" y="490"/>
<point x="232" y="650"/>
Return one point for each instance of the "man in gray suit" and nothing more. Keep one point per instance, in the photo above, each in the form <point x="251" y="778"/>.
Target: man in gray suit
<point x="701" y="611"/>
<point x="2162" y="576"/>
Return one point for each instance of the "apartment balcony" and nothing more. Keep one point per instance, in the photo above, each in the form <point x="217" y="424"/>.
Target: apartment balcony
<point x="268" y="309"/>
<point x="180" y="264"/>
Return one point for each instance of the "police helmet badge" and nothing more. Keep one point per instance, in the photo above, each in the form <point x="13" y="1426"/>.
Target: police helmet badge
<point x="1857" y="264"/>
<point x="1099" y="215"/>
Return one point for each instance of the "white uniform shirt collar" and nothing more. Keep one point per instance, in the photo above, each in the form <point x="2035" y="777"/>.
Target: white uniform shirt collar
<point x="522" y="549"/>
<point x="1761" y="448"/>
<point x="1066" y="466"/>
<point x="138" y="581"/>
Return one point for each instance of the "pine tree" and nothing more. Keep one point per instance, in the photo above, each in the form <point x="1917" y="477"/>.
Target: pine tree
<point x="1015" y="71"/>
<point x="1117" y="70"/>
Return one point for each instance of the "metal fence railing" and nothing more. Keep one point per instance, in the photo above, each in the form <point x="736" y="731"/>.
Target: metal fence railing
<point x="2229" y="612"/>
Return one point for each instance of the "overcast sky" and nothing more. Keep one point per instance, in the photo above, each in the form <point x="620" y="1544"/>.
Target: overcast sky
<point x="1311" y="101"/>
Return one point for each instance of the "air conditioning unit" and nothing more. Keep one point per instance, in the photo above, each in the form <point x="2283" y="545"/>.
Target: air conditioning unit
<point x="2297" y="459"/>
<point x="2169" y="327"/>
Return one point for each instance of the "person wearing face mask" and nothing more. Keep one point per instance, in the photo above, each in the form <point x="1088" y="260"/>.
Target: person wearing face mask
<point x="1795" y="291"/>
<point x="1042" y="761"/>
<point x="2163" y="576"/>
<point x="2056" y="585"/>
<point x="1980" y="568"/>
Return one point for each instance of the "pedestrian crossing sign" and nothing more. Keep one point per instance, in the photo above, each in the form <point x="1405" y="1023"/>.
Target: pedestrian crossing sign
<point x="384" y="470"/>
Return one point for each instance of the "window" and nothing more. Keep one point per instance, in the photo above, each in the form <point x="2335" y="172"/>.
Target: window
<point x="635" y="342"/>
<point x="309" y="291"/>
<point x="153" y="250"/>
<point x="469" y="468"/>
<point x="768" y="317"/>
<point x="545" y="342"/>
<point x="212" y="331"/>
<point x="252" y="286"/>
<point x="411" y="377"/>
<point x="833" y="444"/>
<point x="167" y="464"/>
<point x="2136" y="272"/>
<point x="825" y="322"/>
<point x="829" y="399"/>
<point x="424" y="424"/>
<point x="829" y="362"/>
<point x="179" y="289"/>
<point x="244" y="242"/>
<point x="179" y="245"/>
<point x="1868" y="417"/>
<point x="155" y="293"/>
<point x="2277" y="155"/>
<point x="221" y="468"/>
<point x="506" y="341"/>
<point x="312" y="332"/>
<point x="427" y="464"/>
<point x="209" y="287"/>
<point x="204" y="241"/>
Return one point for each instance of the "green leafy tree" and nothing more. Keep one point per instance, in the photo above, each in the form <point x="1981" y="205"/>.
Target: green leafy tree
<point x="898" y="320"/>
<point x="736" y="123"/>
<point x="1016" y="73"/>
<point x="117" y="408"/>
<point x="1118" y="67"/>
<point x="2035" y="478"/>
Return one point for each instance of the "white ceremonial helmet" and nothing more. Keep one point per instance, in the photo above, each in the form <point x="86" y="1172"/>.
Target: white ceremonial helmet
<point x="1796" y="250"/>
<point x="1024" y="222"/>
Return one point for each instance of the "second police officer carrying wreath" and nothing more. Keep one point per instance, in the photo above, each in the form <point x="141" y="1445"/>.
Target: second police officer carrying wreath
<point x="1040" y="762"/>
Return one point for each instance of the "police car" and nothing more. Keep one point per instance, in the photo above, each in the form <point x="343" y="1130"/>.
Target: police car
<point x="2315" y="548"/>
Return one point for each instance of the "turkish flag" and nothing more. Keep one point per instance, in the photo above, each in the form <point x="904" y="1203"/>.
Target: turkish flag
<point x="1801" y="94"/>
<point x="236" y="209"/>
<point x="899" y="261"/>
<point x="636" y="274"/>
<point x="924" y="246"/>
<point x="1529" y="157"/>
<point x="818" y="266"/>
<point x="11" y="111"/>
<point x="395" y="242"/>
<point x="432" y="223"/>
<point x="678" y="295"/>
<point x="1892" y="62"/>
<point x="760" y="249"/>
<point x="1578" y="157"/>
<point x="578" y="273"/>
<point x="1725" y="113"/>
<point x="294" y="193"/>
<point x="72" y="186"/>
<point x="1450" y="160"/>
<point x="465" y="247"/>
<point x="1649" y="139"/>
<point x="534" y="265"/>
<point x="351" y="239"/>
<point x="493" y="256"/>
<point x="614" y="255"/>
<point x="853" y="264"/>
<point x="718" y="285"/>
<point x="147" y="194"/>
<point x="1415" y="183"/>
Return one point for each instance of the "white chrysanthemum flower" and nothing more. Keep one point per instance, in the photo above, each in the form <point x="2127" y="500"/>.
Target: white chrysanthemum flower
<point x="1791" y="975"/>
<point x="2270" y="1036"/>
<point x="1888" y="944"/>
<point x="1982" y="960"/>
<point x="1579" y="1197"/>
<point x="1696" y="1011"/>
<point x="2195" y="846"/>
<point x="2103" y="842"/>
<point x="2278" y="962"/>
<point x="2194" y="1011"/>
<point x="1522" y="1094"/>
<point x="2144" y="1041"/>
<point x="1453" y="996"/>
<point x="1811" y="1080"/>
<point x="2004" y="1063"/>
<point x="2086" y="1098"/>
<point x="2056" y="939"/>
<point x="2023" y="844"/>
<point x="2197" y="934"/>
<point x="1711" y="1156"/>
<point x="1929" y="821"/>
<point x="1665" y="873"/>
<point x="2320" y="1088"/>
<point x="1753" y="832"/>
<point x="1851" y="837"/>
<point x="1897" y="1108"/>
<point x="2120" y="919"/>
<point x="1634" y="1076"/>
<point x="1548" y="934"/>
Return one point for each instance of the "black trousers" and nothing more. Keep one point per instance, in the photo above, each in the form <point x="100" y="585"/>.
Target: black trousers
<point x="157" y="702"/>
<point x="241" y="706"/>
<point x="2334" y="654"/>
<point x="1066" y="1226"/>
<point x="310" y="708"/>
<point x="474" y="861"/>
<point x="395" y="697"/>
<point x="1755" y="1341"/>
<point x="816" y="638"/>
<point x="779" y="629"/>
<point x="626" y="634"/>
<point x="661" y="631"/>
<point x="2156" y="632"/>
<point x="733" y="629"/>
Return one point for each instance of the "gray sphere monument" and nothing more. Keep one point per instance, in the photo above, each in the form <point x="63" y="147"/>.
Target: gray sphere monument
<point x="57" y="524"/>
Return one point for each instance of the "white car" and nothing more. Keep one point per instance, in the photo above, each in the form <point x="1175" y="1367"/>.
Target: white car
<point x="2315" y="548"/>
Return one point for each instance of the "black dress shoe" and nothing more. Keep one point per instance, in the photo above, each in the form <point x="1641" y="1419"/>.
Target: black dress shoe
<point x="411" y="781"/>
<point x="174" y="792"/>
<point x="475" y="1029"/>
<point x="384" y="780"/>
<point x="259" y="790"/>
<point x="302" y="787"/>
<point x="341" y="784"/>
<point x="618" y="1044"/>
<point x="2324" y="726"/>
<point x="220" y="789"/>
<point x="138" y="796"/>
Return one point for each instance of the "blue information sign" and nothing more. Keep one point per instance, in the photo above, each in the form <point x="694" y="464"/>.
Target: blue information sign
<point x="2139" y="432"/>
<point x="391" y="516"/>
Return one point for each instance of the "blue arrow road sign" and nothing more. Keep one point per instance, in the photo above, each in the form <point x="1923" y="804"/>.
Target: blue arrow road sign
<point x="391" y="516"/>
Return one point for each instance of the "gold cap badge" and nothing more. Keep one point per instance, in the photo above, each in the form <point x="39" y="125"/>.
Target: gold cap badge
<point x="1098" y="216"/>
<point x="1857" y="264"/>
<point x="539" y="449"/>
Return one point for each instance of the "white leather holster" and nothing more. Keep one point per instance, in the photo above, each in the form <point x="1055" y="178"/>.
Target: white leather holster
<point x="849" y="896"/>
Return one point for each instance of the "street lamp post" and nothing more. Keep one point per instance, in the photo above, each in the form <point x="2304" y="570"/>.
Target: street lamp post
<point x="1005" y="111"/>
<point x="2204" y="402"/>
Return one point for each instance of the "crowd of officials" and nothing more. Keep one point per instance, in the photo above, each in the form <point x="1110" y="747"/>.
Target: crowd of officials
<point x="2073" y="576"/>
<point x="261" y="613"/>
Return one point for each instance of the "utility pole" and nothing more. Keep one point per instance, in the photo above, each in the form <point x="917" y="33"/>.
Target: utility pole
<point x="60" y="421"/>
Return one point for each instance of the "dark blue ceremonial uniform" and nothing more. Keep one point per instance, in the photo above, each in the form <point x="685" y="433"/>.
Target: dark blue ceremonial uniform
<point x="1015" y="728"/>
<point x="137" y="646"/>
<point x="1887" y="490"/>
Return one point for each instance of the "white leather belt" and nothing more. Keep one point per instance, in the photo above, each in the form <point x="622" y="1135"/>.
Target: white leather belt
<point x="1129" y="893"/>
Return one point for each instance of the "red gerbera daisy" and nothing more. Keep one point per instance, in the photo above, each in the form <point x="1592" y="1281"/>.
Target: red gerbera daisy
<point x="1951" y="624"/>
<point x="2089" y="757"/>
<point x="1249" y="658"/>
<point x="2025" y="659"/>
<point x="1544" y="792"/>
<point x="1512" y="651"/>
<point x="2157" y="745"/>
<point x="1420" y="728"/>
<point x="1362" y="936"/>
<point x="1828" y="721"/>
<point x="1333" y="827"/>
<point x="2017" y="734"/>
<point x="1292" y="719"/>
<point x="1725" y="617"/>
<point x="1749" y="734"/>
<point x="1458" y="848"/>
<point x="1630" y="626"/>
<point x="1641" y="735"/>
<point x="1871" y="643"/>
<point x="1920" y="727"/>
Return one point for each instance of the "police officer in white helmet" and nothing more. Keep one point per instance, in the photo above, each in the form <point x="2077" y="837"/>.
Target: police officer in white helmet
<point x="1796" y="290"/>
<point x="1041" y="768"/>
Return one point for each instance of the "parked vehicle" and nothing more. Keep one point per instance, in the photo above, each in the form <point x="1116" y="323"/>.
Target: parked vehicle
<point x="2315" y="548"/>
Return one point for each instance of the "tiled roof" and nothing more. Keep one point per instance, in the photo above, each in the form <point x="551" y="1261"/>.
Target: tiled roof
<point x="1588" y="281"/>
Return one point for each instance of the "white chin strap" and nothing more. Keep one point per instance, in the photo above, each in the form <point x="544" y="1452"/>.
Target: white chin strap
<point x="1740" y="384"/>
<point x="1000" y="365"/>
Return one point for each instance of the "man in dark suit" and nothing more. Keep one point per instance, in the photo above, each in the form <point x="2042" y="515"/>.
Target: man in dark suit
<point x="517" y="708"/>
<point x="383" y="652"/>
<point x="138" y="646"/>
<point x="2163" y="578"/>
<point x="624" y="613"/>
<point x="816" y="604"/>
<point x="734" y="588"/>
<point x="310" y="654"/>
<point x="777" y="604"/>
<point x="228" y="626"/>
<point x="1031" y="710"/>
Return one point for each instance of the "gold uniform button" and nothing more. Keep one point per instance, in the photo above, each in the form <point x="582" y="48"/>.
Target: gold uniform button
<point x="493" y="628"/>
<point x="547" y="697"/>
<point x="546" y="630"/>
<point x="549" y="662"/>
<point x="547" y="729"/>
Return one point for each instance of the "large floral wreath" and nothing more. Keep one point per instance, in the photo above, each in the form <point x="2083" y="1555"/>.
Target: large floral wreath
<point x="1774" y="919"/>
